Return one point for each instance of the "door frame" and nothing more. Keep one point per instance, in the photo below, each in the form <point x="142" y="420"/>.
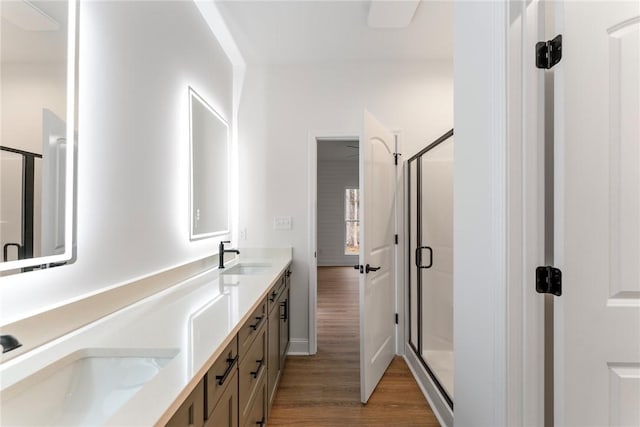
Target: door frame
<point x="499" y="373"/>
<point x="313" y="139"/>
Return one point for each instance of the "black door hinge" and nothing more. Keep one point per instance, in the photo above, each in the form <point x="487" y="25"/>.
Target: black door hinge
<point x="549" y="280"/>
<point x="549" y="53"/>
<point x="395" y="158"/>
<point x="396" y="239"/>
<point x="396" y="318"/>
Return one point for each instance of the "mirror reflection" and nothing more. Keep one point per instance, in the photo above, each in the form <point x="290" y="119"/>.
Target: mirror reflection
<point x="209" y="169"/>
<point x="37" y="63"/>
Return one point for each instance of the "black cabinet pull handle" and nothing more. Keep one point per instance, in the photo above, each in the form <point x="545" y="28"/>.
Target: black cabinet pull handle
<point x="285" y="315"/>
<point x="261" y="422"/>
<point x="273" y="296"/>
<point x="368" y="268"/>
<point x="419" y="257"/>
<point x="255" y="325"/>
<point x="260" y="362"/>
<point x="231" y="362"/>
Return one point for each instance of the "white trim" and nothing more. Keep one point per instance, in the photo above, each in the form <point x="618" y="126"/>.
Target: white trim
<point x="480" y="214"/>
<point x="400" y="248"/>
<point x="441" y="410"/>
<point x="312" y="202"/>
<point x="298" y="347"/>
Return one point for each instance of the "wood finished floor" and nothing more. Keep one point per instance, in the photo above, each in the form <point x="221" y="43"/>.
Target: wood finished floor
<point x="324" y="389"/>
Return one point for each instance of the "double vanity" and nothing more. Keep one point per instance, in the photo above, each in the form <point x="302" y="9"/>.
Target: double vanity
<point x="207" y="351"/>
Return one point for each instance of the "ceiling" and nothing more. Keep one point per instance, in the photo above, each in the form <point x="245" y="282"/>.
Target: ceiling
<point x="21" y="46"/>
<point x="331" y="150"/>
<point x="301" y="31"/>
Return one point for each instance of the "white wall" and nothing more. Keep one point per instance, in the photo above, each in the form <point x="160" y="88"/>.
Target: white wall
<point x="334" y="176"/>
<point x="136" y="60"/>
<point x="282" y="104"/>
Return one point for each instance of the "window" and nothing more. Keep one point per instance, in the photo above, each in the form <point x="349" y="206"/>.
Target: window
<point x="352" y="221"/>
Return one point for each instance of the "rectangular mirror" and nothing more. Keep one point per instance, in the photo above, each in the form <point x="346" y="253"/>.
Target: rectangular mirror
<point x="38" y="89"/>
<point x="209" y="142"/>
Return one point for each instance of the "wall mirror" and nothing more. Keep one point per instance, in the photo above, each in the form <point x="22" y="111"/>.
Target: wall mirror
<point x="209" y="146"/>
<point x="38" y="90"/>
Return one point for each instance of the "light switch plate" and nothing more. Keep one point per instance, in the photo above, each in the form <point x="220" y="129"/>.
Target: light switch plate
<point x="282" y="223"/>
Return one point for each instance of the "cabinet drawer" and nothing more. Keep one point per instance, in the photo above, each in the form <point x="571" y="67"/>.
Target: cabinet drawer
<point x="253" y="369"/>
<point x="219" y="375"/>
<point x="225" y="413"/>
<point x="257" y="413"/>
<point x="191" y="412"/>
<point x="250" y="329"/>
<point x="274" y="293"/>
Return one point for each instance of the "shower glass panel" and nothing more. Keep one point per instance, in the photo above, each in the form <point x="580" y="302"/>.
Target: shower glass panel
<point x="430" y="273"/>
<point x="437" y="281"/>
<point x="413" y="275"/>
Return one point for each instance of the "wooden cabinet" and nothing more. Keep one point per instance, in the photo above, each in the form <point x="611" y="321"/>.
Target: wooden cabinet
<point x="191" y="412"/>
<point x="273" y="349"/>
<point x="252" y="371"/>
<point x="239" y="387"/>
<point x="257" y="409"/>
<point x="284" y="325"/>
<point x="225" y="412"/>
<point x="278" y="333"/>
<point x="250" y="329"/>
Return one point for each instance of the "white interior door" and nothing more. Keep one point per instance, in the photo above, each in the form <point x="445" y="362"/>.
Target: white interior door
<point x="377" y="251"/>
<point x="597" y="214"/>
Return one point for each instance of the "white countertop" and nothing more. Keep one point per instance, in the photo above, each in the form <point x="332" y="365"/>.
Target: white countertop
<point x="197" y="318"/>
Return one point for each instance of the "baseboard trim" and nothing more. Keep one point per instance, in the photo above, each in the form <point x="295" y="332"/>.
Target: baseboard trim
<point x="442" y="411"/>
<point x="298" y="347"/>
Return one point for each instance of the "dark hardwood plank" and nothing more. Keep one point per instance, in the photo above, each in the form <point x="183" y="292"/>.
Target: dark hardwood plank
<point x="324" y="389"/>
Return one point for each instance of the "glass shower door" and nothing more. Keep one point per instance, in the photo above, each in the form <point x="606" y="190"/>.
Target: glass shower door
<point x="430" y="205"/>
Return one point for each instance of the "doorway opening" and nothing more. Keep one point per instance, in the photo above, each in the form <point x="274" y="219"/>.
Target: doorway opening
<point x="333" y="201"/>
<point x="337" y="245"/>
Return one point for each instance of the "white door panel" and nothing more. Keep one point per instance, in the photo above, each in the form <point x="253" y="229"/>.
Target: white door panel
<point x="377" y="229"/>
<point x="597" y="241"/>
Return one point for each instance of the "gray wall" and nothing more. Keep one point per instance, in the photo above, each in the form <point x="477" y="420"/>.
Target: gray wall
<point x="334" y="176"/>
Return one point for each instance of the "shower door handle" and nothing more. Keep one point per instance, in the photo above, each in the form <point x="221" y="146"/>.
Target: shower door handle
<point x="419" y="257"/>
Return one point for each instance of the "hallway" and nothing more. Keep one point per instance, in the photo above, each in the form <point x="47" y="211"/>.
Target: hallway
<point x="324" y="390"/>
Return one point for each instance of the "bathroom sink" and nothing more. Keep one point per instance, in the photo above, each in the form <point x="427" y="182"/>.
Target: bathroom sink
<point x="248" y="268"/>
<point x="84" y="388"/>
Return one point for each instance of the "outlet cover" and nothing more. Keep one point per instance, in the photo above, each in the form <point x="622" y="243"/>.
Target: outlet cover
<point x="282" y="223"/>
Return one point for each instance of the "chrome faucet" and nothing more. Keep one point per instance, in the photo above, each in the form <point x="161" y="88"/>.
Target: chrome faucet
<point x="222" y="251"/>
<point x="8" y="343"/>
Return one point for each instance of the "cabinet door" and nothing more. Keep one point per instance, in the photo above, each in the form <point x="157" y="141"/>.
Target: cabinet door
<point x="225" y="413"/>
<point x="257" y="413"/>
<point x="284" y="325"/>
<point x="220" y="374"/>
<point x="191" y="412"/>
<point x="253" y="369"/>
<point x="273" y="350"/>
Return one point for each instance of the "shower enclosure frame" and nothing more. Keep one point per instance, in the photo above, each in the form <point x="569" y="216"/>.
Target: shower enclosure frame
<point x="419" y="349"/>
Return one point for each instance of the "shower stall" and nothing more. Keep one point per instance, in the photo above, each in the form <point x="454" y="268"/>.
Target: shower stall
<point x="429" y="183"/>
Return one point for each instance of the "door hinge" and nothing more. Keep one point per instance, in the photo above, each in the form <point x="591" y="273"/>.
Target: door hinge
<point x="549" y="53"/>
<point x="395" y="158"/>
<point x="396" y="239"/>
<point x="549" y="280"/>
<point x="396" y="318"/>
